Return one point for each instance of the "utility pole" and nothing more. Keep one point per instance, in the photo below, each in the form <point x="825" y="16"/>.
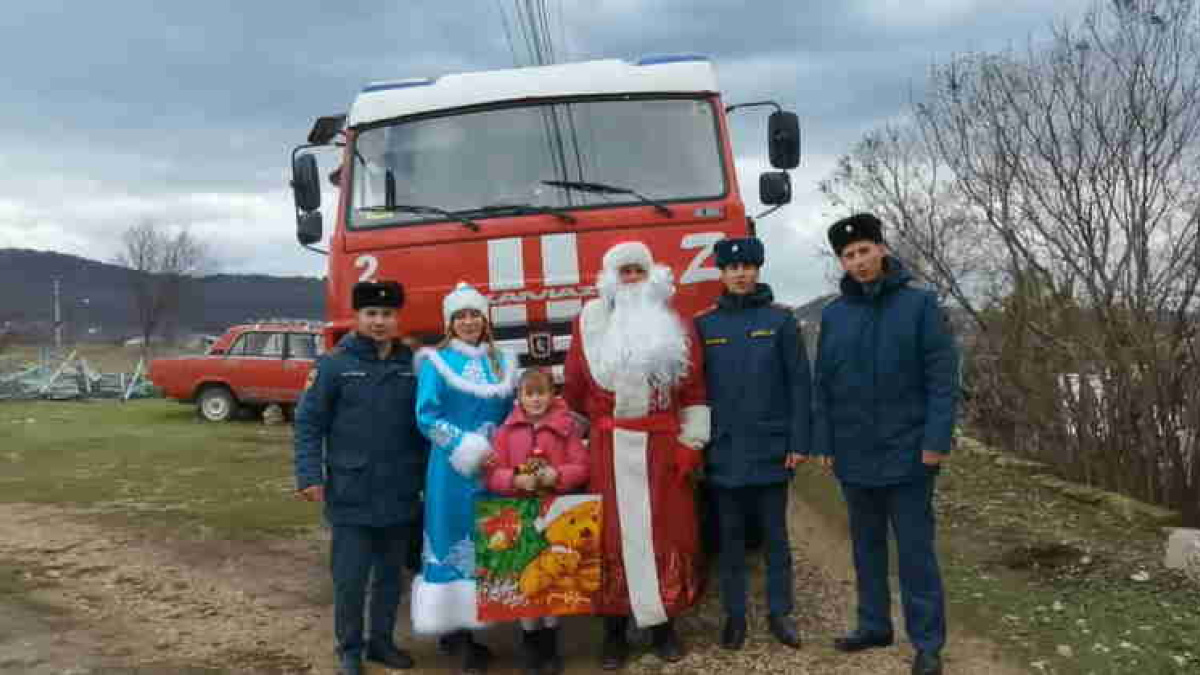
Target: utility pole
<point x="58" y="324"/>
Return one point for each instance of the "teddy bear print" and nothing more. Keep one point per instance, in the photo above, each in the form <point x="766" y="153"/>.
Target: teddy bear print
<point x="570" y="565"/>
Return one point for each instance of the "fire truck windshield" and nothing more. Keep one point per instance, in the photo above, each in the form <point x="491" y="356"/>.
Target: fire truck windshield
<point x="657" y="150"/>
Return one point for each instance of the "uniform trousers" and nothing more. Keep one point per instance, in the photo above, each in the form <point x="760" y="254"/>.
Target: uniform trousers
<point x="362" y="556"/>
<point x="907" y="509"/>
<point x="765" y="506"/>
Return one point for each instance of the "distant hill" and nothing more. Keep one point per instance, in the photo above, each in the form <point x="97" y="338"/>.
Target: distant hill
<point x="96" y="294"/>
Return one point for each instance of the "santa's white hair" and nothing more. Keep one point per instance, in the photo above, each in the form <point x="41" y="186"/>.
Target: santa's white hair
<point x="643" y="334"/>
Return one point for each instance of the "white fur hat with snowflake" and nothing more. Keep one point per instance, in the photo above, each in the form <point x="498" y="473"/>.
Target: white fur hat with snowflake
<point x="464" y="296"/>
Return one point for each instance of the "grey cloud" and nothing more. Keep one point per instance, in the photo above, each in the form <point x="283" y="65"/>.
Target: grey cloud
<point x="121" y="110"/>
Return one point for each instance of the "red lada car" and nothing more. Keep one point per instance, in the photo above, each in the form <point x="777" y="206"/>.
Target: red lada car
<point x="250" y="367"/>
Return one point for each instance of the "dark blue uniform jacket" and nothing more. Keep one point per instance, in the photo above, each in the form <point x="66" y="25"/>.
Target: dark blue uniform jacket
<point x="356" y="433"/>
<point x="886" y="380"/>
<point x="758" y="388"/>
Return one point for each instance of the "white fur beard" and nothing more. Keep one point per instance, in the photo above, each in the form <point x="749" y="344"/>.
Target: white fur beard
<point x="643" y="336"/>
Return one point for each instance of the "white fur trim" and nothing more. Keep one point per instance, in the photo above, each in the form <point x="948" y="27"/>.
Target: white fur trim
<point x="592" y="322"/>
<point x="695" y="426"/>
<point x="464" y="296"/>
<point x="508" y="379"/>
<point x="632" y="396"/>
<point x="559" y="506"/>
<point x="628" y="253"/>
<point x="468" y="456"/>
<point x="468" y="349"/>
<point x="632" y="478"/>
<point x="438" y="609"/>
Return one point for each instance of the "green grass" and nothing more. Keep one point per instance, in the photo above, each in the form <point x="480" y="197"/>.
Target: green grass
<point x="1083" y="600"/>
<point x="152" y="462"/>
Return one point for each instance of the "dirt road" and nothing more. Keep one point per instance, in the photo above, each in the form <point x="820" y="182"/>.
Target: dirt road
<point x="83" y="598"/>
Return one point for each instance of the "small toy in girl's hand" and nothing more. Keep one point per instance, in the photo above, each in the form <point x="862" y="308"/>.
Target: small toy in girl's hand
<point x="528" y="476"/>
<point x="547" y="478"/>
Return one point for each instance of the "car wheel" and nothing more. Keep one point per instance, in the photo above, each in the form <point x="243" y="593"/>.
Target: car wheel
<point x="217" y="404"/>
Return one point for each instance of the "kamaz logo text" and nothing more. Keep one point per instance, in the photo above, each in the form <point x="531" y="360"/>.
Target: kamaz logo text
<point x="509" y="298"/>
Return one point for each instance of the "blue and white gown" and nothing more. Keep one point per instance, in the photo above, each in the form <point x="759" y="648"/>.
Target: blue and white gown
<point x="461" y="400"/>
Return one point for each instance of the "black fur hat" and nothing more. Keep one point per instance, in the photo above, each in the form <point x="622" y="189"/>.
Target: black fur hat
<point x="378" y="294"/>
<point x="747" y="250"/>
<point x="858" y="227"/>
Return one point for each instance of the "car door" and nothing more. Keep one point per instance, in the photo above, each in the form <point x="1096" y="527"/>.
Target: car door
<point x="301" y="353"/>
<point x="254" y="365"/>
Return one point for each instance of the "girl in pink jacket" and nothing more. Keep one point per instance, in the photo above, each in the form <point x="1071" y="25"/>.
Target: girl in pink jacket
<point x="538" y="451"/>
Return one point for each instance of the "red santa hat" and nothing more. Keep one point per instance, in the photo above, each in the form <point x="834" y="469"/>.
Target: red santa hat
<point x="628" y="253"/>
<point x="553" y="509"/>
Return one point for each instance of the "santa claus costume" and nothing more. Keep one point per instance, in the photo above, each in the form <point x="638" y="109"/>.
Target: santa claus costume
<point x="635" y="371"/>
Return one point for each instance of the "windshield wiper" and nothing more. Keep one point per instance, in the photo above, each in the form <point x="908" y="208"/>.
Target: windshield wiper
<point x="520" y="209"/>
<point x="605" y="189"/>
<point x="421" y="210"/>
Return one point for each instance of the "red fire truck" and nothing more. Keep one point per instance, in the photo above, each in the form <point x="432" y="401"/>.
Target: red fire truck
<point x="517" y="181"/>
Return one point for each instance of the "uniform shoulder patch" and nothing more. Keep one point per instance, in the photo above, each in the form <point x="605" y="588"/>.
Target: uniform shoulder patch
<point x="311" y="378"/>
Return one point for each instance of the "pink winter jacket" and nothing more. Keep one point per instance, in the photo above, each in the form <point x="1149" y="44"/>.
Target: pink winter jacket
<point x="558" y="438"/>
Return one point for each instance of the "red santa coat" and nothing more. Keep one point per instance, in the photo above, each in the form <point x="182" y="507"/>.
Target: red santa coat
<point x="639" y="465"/>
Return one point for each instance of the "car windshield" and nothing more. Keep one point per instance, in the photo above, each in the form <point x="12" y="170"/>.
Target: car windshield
<point x="663" y="149"/>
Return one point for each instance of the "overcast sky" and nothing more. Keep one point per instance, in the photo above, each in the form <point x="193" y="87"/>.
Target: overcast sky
<point x="185" y="112"/>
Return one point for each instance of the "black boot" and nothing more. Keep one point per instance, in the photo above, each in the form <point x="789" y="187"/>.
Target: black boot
<point x="927" y="663"/>
<point x="351" y="664"/>
<point x="552" y="661"/>
<point x="615" y="651"/>
<point x="858" y="641"/>
<point x="531" y="651"/>
<point x="387" y="653"/>
<point x="733" y="634"/>
<point x="449" y="643"/>
<point x="476" y="657"/>
<point x="784" y="630"/>
<point x="666" y="643"/>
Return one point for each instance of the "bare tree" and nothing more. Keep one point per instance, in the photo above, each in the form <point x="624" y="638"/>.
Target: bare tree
<point x="896" y="173"/>
<point x="161" y="266"/>
<point x="1074" y="164"/>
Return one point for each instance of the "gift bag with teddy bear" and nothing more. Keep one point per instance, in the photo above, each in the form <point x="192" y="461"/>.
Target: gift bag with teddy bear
<point x="537" y="557"/>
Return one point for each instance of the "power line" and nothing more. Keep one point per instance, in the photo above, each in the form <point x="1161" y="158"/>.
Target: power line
<point x="508" y="32"/>
<point x="522" y="30"/>
<point x="562" y="31"/>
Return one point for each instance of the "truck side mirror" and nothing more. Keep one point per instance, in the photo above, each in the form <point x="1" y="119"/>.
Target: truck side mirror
<point x="306" y="184"/>
<point x="309" y="228"/>
<point x="783" y="139"/>
<point x="775" y="188"/>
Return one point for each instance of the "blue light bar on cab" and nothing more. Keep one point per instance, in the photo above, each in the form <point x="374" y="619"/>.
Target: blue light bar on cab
<point x="660" y="59"/>
<point x="399" y="84"/>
